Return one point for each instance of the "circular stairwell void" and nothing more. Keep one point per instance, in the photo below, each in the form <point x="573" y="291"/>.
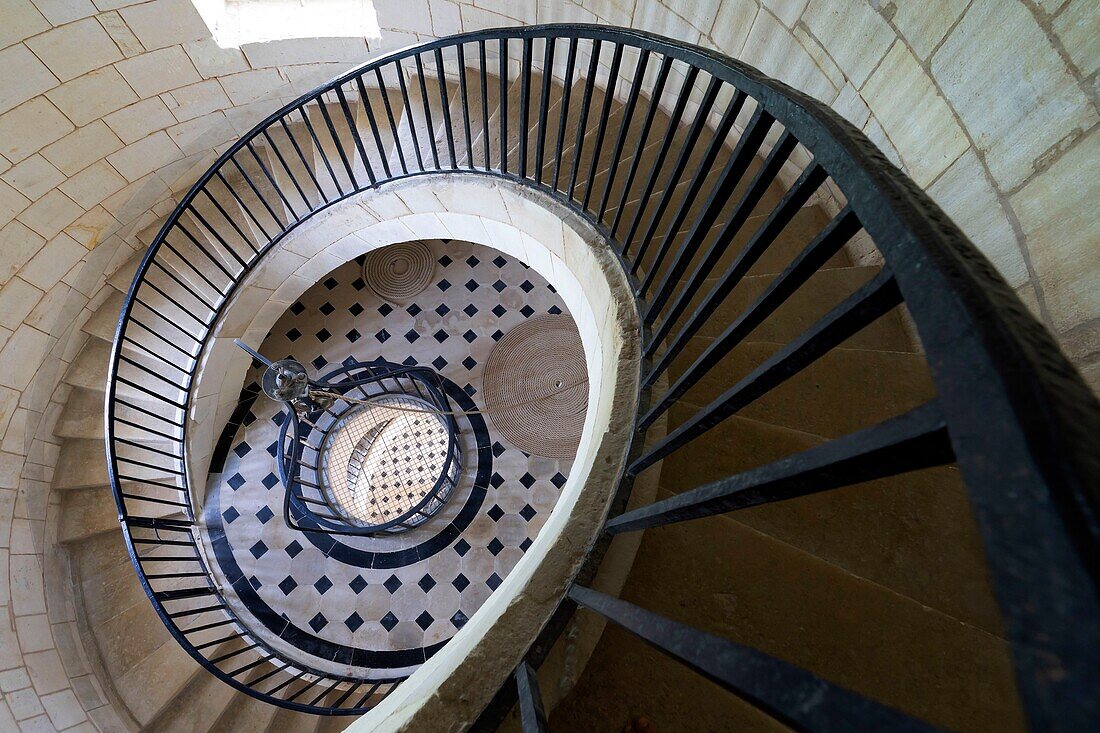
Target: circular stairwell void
<point x="381" y="460"/>
<point x="582" y="272"/>
<point x="377" y="607"/>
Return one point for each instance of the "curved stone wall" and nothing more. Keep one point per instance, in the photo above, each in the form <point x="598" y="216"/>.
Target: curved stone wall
<point x="109" y="109"/>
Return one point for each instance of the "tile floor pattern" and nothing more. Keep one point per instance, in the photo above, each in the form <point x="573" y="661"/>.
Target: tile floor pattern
<point x="376" y="607"/>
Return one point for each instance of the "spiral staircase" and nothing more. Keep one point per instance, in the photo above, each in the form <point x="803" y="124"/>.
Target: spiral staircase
<point x="877" y="474"/>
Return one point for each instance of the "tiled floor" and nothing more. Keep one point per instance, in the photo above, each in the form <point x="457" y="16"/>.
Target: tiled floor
<point x="377" y="607"/>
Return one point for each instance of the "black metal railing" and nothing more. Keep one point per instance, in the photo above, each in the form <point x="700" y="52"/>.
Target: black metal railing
<point x="310" y="503"/>
<point x="671" y="152"/>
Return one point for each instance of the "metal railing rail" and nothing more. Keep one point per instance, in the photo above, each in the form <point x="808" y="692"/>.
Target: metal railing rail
<point x="1010" y="410"/>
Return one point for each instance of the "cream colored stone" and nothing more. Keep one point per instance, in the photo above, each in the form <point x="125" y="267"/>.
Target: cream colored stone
<point x="1057" y="211"/>
<point x="17" y="245"/>
<point x="966" y="194"/>
<point x="93" y="184"/>
<point x="772" y="49"/>
<point x="17" y="300"/>
<point x="123" y="37"/>
<point x="212" y="60"/>
<point x="196" y="100"/>
<point x="80" y="149"/>
<point x="349" y="51"/>
<point x="523" y="11"/>
<point x="75" y="49"/>
<point x="144" y="156"/>
<point x="26" y="346"/>
<point x="158" y="71"/>
<point x="873" y="130"/>
<point x="50" y="214"/>
<point x="59" y="12"/>
<point x="93" y="227"/>
<point x="701" y="14"/>
<point x="788" y="11"/>
<point x="165" y="23"/>
<point x="659" y="19"/>
<point x="994" y="87"/>
<point x="857" y="37"/>
<point x="139" y="120"/>
<point x="851" y="106"/>
<point x="732" y="27"/>
<point x="33" y="177"/>
<point x="821" y="57"/>
<point x="11" y="203"/>
<point x="63" y="709"/>
<point x="918" y="122"/>
<point x="21" y="20"/>
<point x="58" y="256"/>
<point x="202" y="133"/>
<point x="249" y="86"/>
<point x="25" y="129"/>
<point x="93" y="95"/>
<point x="924" y="24"/>
<point x="407" y="15"/>
<point x="25" y="77"/>
<point x="1078" y="27"/>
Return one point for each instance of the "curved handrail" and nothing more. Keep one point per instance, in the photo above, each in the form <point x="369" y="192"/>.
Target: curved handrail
<point x="1021" y="423"/>
<point x="291" y="464"/>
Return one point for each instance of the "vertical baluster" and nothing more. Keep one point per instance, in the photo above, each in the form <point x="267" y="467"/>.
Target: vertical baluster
<point x="308" y="164"/>
<point x="547" y="77"/>
<point x="282" y="161"/>
<point x="390" y="118"/>
<point x="427" y="108"/>
<point x="408" y="114"/>
<point x="355" y="133"/>
<point x="624" y="128"/>
<point x="465" y="104"/>
<point x="444" y="99"/>
<point x="567" y="88"/>
<point x="532" y="715"/>
<point x="643" y="138"/>
<point x="503" y="117"/>
<point x="662" y="154"/>
<point x="271" y="179"/>
<point x="323" y="106"/>
<point x="717" y="142"/>
<point x="524" y="105"/>
<point x="605" y="113"/>
<point x="484" y="106"/>
<point x="582" y="123"/>
<point x="320" y="150"/>
<point x="369" y="111"/>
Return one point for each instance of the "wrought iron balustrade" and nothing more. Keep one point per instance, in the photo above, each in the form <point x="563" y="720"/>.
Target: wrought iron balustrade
<point x="664" y="166"/>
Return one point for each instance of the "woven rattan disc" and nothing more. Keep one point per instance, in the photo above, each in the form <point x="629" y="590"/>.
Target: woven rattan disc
<point x="399" y="272"/>
<point x="539" y="357"/>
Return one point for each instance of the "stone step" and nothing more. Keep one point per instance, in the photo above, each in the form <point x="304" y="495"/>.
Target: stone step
<point x="89" y="368"/>
<point x="103" y="322"/>
<point x="199" y="706"/>
<point x="153" y="684"/>
<point x="246" y="714"/>
<point x="88" y="512"/>
<point x="727" y="579"/>
<point x="82" y="416"/>
<point x="81" y="464"/>
<point x="290" y="721"/>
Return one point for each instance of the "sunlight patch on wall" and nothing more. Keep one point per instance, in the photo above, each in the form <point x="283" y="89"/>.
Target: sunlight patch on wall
<point x="236" y="22"/>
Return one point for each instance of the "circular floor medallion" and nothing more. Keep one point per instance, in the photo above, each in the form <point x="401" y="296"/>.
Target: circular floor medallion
<point x="541" y="356"/>
<point x="399" y="272"/>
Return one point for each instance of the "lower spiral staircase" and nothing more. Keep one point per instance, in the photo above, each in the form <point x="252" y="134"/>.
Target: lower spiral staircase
<point x="875" y="476"/>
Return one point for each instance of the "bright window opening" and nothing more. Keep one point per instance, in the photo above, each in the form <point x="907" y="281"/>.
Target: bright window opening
<point x="236" y="22"/>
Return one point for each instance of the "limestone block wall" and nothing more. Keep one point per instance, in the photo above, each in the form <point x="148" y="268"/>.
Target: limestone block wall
<point x="110" y="108"/>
